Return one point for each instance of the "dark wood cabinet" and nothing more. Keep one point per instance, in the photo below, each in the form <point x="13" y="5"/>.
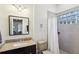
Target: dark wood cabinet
<point x="23" y="50"/>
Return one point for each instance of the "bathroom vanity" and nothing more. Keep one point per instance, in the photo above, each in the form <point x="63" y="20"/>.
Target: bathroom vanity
<point x="18" y="26"/>
<point x="26" y="47"/>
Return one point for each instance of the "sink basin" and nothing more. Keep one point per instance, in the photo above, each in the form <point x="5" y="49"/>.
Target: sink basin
<point x="19" y="44"/>
<point x="22" y="44"/>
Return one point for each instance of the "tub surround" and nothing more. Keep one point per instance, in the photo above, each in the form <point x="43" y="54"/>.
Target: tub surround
<point x="16" y="44"/>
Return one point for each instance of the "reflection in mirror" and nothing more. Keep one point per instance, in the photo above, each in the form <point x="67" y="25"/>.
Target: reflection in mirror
<point x="18" y="25"/>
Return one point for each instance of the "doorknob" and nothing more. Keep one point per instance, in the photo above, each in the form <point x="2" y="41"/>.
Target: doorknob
<point x="58" y="32"/>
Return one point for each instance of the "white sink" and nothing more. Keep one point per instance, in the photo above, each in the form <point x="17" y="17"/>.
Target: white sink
<point x="22" y="44"/>
<point x="19" y="44"/>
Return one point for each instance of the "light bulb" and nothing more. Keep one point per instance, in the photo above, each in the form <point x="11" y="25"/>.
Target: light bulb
<point x="19" y="7"/>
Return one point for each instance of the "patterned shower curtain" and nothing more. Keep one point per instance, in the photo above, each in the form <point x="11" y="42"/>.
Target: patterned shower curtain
<point x="0" y="38"/>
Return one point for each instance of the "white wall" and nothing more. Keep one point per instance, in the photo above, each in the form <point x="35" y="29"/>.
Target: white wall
<point x="37" y="15"/>
<point x="40" y="17"/>
<point x="5" y="11"/>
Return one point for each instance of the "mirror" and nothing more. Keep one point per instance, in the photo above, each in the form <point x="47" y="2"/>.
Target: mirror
<point x="18" y="25"/>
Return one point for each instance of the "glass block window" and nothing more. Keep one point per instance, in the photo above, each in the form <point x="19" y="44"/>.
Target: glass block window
<point x="69" y="20"/>
<point x="78" y="18"/>
<point x="71" y="17"/>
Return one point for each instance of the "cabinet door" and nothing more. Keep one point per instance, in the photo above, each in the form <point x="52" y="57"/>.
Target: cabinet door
<point x="33" y="49"/>
<point x="24" y="50"/>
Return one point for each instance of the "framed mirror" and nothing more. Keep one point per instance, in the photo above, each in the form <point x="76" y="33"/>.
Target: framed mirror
<point x="18" y="25"/>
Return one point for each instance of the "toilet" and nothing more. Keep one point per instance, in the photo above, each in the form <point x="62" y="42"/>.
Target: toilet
<point x="43" y="47"/>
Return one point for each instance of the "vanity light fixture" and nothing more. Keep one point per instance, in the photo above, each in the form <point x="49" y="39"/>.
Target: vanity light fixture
<point x="19" y="7"/>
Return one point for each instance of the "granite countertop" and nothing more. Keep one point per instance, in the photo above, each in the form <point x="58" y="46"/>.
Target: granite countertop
<point x="15" y="45"/>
